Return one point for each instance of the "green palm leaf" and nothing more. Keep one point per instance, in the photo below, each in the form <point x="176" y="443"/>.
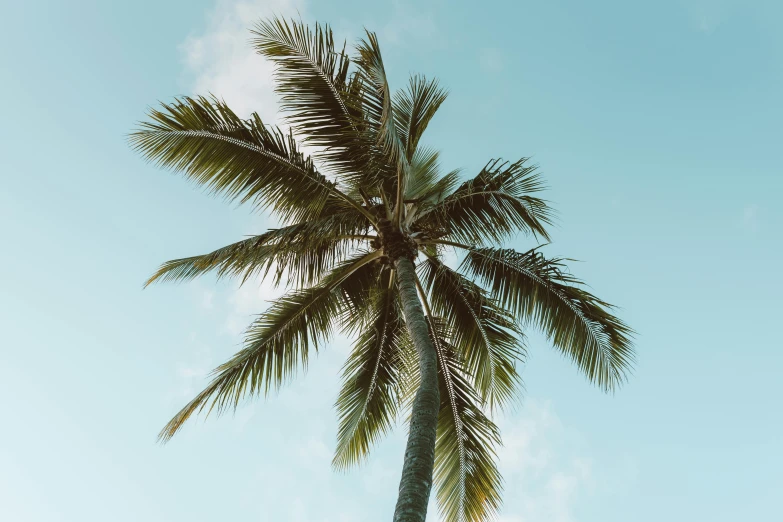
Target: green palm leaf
<point x="414" y="109"/>
<point x="485" y="335"/>
<point x="316" y="92"/>
<point x="426" y="184"/>
<point x="278" y="342"/>
<point x="492" y="206"/>
<point x="239" y="159"/>
<point x="469" y="485"/>
<point x="379" y="116"/>
<point x="376" y="97"/>
<point x="579" y="324"/>
<point x="305" y="252"/>
<point x="368" y="401"/>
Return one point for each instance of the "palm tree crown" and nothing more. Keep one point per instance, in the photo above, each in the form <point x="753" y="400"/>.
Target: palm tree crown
<point x="370" y="196"/>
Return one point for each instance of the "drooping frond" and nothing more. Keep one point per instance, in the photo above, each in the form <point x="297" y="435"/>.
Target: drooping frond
<point x="414" y="108"/>
<point x="313" y="82"/>
<point x="468" y="482"/>
<point x="236" y="158"/>
<point x="486" y="335"/>
<point x="304" y="252"/>
<point x="579" y="324"/>
<point x="475" y="490"/>
<point x="369" y="398"/>
<point x="494" y="205"/>
<point x="278" y="342"/>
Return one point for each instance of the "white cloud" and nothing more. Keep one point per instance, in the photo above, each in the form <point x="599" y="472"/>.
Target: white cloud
<point x="221" y="61"/>
<point x="409" y="25"/>
<point x="750" y="217"/>
<point x="190" y="373"/>
<point x="547" y="471"/>
<point x="206" y="299"/>
<point x="248" y="300"/>
<point x="708" y="15"/>
<point x="491" y="59"/>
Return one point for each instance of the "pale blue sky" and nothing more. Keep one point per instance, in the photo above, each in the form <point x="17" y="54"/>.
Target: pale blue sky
<point x="658" y="127"/>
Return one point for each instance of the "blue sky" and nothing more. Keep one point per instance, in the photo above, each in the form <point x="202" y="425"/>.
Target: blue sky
<point x="658" y="128"/>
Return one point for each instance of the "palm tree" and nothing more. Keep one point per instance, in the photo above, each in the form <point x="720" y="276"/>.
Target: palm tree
<point x="362" y="248"/>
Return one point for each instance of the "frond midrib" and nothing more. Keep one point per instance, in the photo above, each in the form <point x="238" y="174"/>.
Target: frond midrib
<point x="585" y="321"/>
<point x="271" y="155"/>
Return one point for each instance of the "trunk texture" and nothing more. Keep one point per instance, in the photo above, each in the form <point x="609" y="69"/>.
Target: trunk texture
<point x="417" y="469"/>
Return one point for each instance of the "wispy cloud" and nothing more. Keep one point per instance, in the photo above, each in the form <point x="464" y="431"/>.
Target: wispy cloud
<point x="547" y="471"/>
<point x="206" y="300"/>
<point x="190" y="372"/>
<point x="491" y="59"/>
<point x="409" y="25"/>
<point x="708" y="15"/>
<point x="220" y="60"/>
<point x="750" y="218"/>
<point x="248" y="300"/>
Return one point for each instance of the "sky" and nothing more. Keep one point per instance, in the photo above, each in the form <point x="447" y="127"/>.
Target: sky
<point x="657" y="126"/>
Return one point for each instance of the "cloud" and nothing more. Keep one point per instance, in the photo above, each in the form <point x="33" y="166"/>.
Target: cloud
<point x="546" y="468"/>
<point x="220" y="60"/>
<point x="409" y="25"/>
<point x="248" y="300"/>
<point x="491" y="59"/>
<point x="206" y="300"/>
<point x="750" y="218"/>
<point x="708" y="15"/>
<point x="190" y="373"/>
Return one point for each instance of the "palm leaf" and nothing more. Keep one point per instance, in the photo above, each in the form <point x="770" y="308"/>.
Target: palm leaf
<point x="485" y="335"/>
<point x="379" y="118"/>
<point x="369" y="398"/>
<point x="313" y="82"/>
<point x="304" y="251"/>
<point x="277" y="342"/>
<point x="377" y="97"/>
<point x="426" y="184"/>
<point x="469" y="485"/>
<point x="537" y="290"/>
<point x="239" y="159"/>
<point x="492" y="206"/>
<point x="414" y="108"/>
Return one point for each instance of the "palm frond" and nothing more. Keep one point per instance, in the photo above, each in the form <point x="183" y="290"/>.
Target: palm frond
<point x="316" y="92"/>
<point x="304" y="252"/>
<point x="485" y="335"/>
<point x="426" y="183"/>
<point x="492" y="206"/>
<point x="377" y="97"/>
<point x="468" y="482"/>
<point x="277" y="343"/>
<point x="469" y="486"/>
<point x="414" y="108"/>
<point x="369" y="398"/>
<point x="378" y="111"/>
<point x="579" y="324"/>
<point x="236" y="158"/>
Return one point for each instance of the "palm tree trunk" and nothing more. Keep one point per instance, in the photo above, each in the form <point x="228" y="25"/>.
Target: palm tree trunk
<point x="416" y="482"/>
